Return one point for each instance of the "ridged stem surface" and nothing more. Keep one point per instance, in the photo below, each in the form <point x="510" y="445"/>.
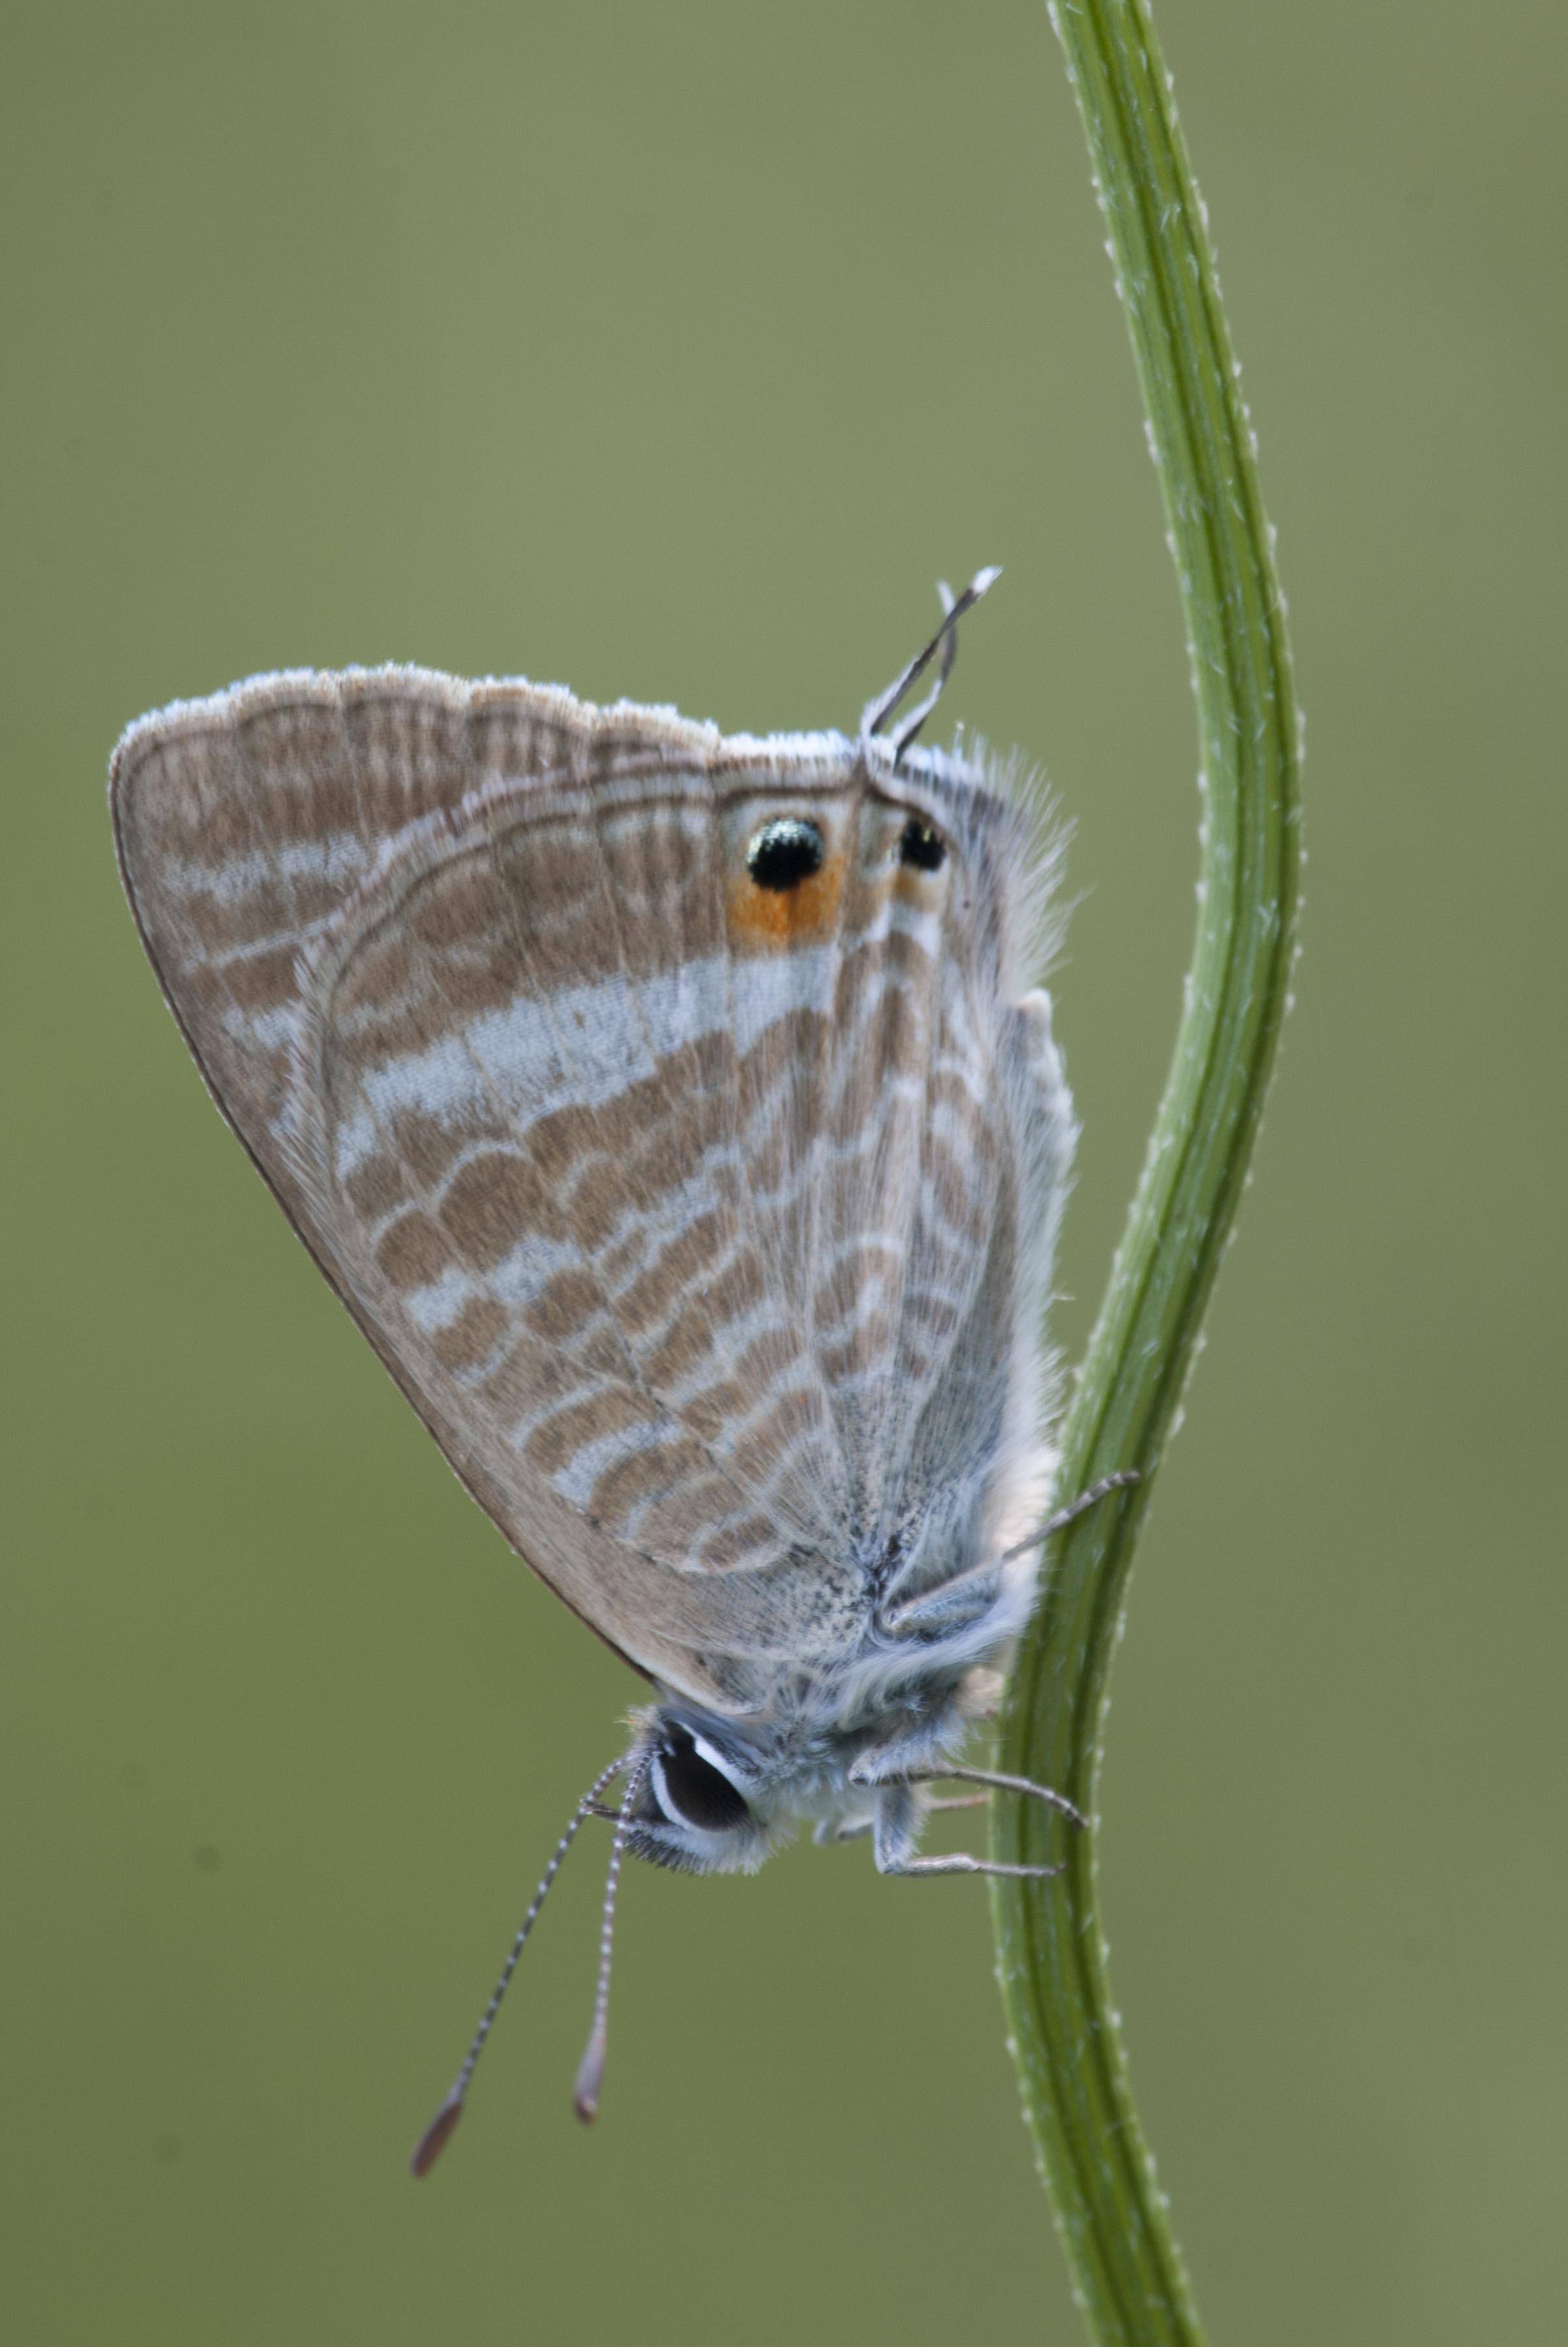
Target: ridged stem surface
<point x="1127" y="2270"/>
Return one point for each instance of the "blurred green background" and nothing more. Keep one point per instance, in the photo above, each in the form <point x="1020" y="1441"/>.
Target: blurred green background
<point x="674" y="351"/>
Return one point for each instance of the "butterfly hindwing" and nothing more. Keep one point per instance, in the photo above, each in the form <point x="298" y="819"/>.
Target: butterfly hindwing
<point x="694" y="1214"/>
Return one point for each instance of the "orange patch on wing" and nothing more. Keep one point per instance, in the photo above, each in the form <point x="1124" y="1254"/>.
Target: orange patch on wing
<point x="913" y="886"/>
<point x="768" y="920"/>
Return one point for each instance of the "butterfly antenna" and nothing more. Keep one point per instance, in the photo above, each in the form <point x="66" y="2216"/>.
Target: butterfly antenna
<point x="944" y="642"/>
<point x="590" y="2069"/>
<point x="429" y="2148"/>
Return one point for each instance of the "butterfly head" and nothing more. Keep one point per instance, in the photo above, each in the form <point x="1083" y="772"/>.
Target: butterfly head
<point x="703" y="1807"/>
<point x="719" y="1796"/>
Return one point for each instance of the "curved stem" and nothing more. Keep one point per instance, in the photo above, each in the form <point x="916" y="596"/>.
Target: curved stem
<point x="1051" y="1952"/>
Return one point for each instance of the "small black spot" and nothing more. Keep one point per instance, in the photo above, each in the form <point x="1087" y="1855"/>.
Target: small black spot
<point x="922" y="846"/>
<point x="783" y="853"/>
<point x="704" y="1798"/>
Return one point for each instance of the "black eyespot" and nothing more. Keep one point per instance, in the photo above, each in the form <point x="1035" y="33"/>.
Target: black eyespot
<point x="783" y="853"/>
<point x="922" y="846"/>
<point x="698" y="1793"/>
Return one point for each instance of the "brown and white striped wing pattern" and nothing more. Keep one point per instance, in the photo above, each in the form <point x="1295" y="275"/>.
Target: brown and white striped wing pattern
<point x="687" y="1214"/>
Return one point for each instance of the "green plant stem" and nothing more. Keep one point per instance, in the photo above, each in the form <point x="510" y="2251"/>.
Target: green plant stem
<point x="1126" y="2267"/>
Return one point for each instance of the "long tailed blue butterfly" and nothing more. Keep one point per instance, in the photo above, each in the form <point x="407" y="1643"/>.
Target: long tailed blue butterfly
<point x="674" y="1115"/>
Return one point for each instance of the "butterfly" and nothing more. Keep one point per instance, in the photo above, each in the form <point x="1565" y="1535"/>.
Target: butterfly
<point x="674" y="1115"/>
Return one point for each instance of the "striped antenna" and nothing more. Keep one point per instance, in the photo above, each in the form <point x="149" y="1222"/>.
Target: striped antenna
<point x="429" y="2148"/>
<point x="590" y="2069"/>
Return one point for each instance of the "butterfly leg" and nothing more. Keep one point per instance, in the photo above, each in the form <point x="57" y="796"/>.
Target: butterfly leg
<point x="958" y="1862"/>
<point x="829" y="1830"/>
<point x="895" y="1830"/>
<point x="1005" y="1783"/>
<point x="888" y="1766"/>
<point x="957" y="1602"/>
<point x="1119" y="1481"/>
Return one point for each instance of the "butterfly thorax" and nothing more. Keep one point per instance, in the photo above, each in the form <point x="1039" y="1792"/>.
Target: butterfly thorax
<point x="843" y="1745"/>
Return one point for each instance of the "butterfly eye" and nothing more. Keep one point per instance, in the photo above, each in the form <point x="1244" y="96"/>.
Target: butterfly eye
<point x="922" y="846"/>
<point x="692" y="1792"/>
<point x="783" y="853"/>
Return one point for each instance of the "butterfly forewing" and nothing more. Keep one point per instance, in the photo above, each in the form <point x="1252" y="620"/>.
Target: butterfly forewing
<point x="499" y="1128"/>
<point x="688" y="1211"/>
